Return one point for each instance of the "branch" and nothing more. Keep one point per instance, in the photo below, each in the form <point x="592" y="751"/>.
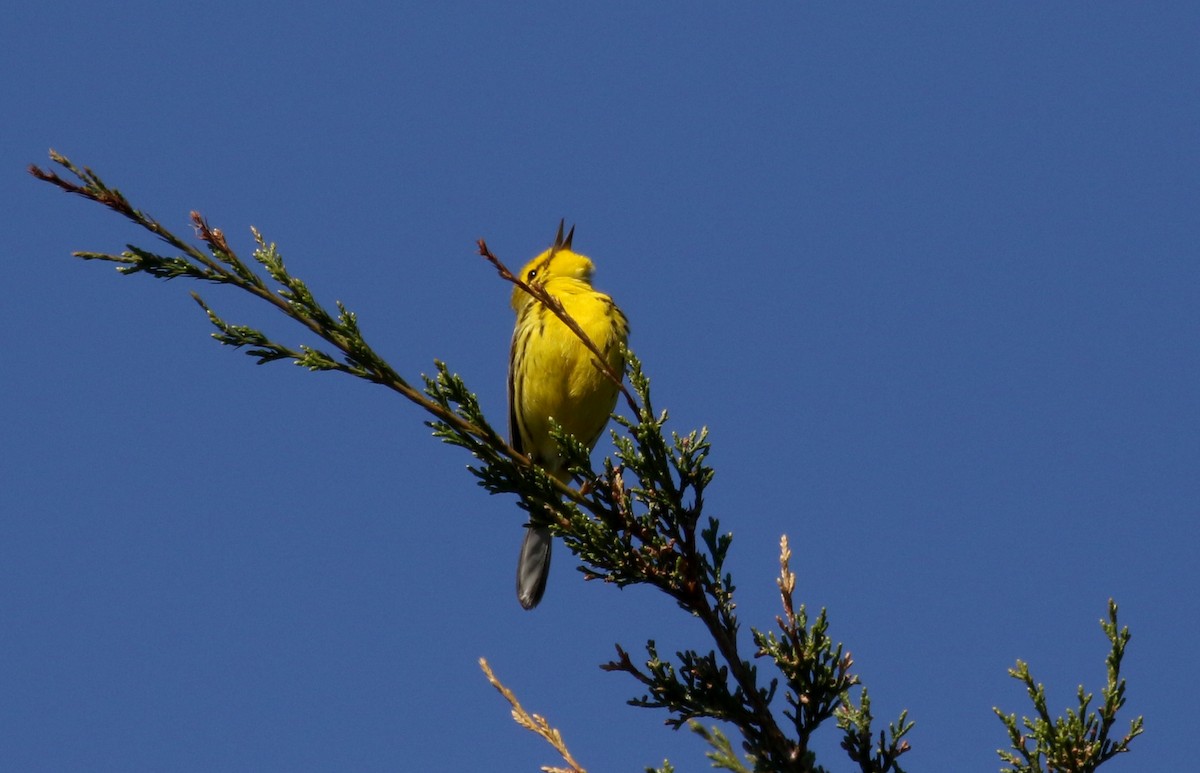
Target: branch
<point x="454" y="410"/>
<point x="638" y="520"/>
<point x="1078" y="742"/>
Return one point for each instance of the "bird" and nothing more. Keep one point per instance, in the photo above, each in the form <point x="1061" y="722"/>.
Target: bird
<point x="553" y="375"/>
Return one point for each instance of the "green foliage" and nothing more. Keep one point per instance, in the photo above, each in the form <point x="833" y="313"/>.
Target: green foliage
<point x="722" y="755"/>
<point x="1080" y="741"/>
<point x="871" y="755"/>
<point x="637" y="520"/>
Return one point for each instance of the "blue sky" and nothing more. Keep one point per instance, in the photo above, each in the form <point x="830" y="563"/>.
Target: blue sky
<point x="928" y="273"/>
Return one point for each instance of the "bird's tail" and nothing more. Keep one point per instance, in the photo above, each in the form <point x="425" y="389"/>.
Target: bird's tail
<point x="533" y="566"/>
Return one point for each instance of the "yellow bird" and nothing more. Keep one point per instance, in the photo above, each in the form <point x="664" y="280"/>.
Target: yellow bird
<point x="553" y="375"/>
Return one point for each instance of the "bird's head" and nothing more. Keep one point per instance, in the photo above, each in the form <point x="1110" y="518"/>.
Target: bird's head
<point x="558" y="262"/>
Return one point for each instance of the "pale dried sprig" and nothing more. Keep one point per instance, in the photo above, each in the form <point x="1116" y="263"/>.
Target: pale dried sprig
<point x="534" y="723"/>
<point x="787" y="578"/>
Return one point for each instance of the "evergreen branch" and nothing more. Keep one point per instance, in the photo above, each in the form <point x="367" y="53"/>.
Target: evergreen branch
<point x="872" y="756"/>
<point x="1078" y="742"/>
<point x="220" y="264"/>
<point x="817" y="673"/>
<point x="722" y="755"/>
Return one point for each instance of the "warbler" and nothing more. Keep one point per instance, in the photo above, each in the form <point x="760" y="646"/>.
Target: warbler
<point x="553" y="375"/>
